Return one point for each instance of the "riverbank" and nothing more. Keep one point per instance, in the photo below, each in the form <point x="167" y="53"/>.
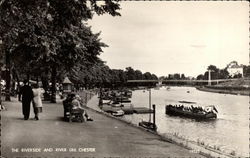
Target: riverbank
<point x="222" y="90"/>
<point x="53" y="137"/>
<point x="201" y="147"/>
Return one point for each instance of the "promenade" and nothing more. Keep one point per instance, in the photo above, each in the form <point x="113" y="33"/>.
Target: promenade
<point x="51" y="136"/>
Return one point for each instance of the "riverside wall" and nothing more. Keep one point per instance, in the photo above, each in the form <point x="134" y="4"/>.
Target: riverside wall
<point x="226" y="90"/>
<point x="197" y="147"/>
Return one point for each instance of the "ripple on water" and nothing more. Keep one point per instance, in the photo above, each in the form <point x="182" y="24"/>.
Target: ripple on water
<point x="229" y="132"/>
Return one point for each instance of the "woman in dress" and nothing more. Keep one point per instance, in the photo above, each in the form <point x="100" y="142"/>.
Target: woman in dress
<point x="76" y="104"/>
<point x="37" y="101"/>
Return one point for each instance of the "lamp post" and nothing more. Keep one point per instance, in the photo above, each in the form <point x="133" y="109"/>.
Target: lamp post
<point x="67" y="86"/>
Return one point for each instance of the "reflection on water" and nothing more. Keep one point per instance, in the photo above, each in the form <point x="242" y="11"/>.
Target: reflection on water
<point x="230" y="131"/>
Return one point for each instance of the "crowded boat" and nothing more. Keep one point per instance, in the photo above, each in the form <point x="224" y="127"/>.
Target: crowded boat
<point x="195" y="112"/>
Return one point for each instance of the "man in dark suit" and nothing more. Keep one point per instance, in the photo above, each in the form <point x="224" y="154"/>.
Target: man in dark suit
<point x="27" y="96"/>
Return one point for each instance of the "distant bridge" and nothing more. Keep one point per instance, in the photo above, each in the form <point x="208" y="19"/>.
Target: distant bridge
<point x="181" y="81"/>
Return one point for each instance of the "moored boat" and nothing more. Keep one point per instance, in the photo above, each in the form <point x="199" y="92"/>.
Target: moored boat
<point x="118" y="113"/>
<point x="188" y="102"/>
<point x="122" y="100"/>
<point x="148" y="125"/>
<point x="105" y="101"/>
<point x="195" y="113"/>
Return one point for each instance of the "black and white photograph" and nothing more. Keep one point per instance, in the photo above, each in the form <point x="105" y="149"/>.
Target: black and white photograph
<point x="124" y="79"/>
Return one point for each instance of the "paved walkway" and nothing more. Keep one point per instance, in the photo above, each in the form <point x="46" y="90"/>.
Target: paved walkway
<point x="53" y="137"/>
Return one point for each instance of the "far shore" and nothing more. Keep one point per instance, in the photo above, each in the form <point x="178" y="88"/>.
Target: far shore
<point x="225" y="91"/>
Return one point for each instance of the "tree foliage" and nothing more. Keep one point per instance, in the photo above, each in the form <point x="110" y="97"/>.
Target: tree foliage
<point x="246" y="71"/>
<point x="52" y="30"/>
<point x="101" y="75"/>
<point x="200" y="77"/>
<point x="216" y="73"/>
<point x="51" y="33"/>
<point x="51" y="39"/>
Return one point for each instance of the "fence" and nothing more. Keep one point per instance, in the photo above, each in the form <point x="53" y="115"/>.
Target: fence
<point x="228" y="87"/>
<point x="86" y="96"/>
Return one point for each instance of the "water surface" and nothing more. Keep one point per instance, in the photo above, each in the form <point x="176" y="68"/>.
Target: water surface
<point x="229" y="132"/>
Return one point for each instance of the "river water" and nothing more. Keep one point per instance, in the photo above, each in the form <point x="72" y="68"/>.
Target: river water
<point x="229" y="132"/>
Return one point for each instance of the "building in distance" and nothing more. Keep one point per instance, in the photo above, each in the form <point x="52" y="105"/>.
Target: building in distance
<point x="234" y="69"/>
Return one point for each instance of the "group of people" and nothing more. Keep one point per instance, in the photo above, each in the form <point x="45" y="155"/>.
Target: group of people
<point x="191" y="109"/>
<point x="31" y="94"/>
<point x="74" y="101"/>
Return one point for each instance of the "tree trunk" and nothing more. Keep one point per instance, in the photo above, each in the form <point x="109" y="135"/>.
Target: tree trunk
<point x="53" y="86"/>
<point x="1" y="84"/>
<point x="8" y="78"/>
<point x="18" y="83"/>
<point x="45" y="84"/>
<point x="1" y="64"/>
<point x="28" y="77"/>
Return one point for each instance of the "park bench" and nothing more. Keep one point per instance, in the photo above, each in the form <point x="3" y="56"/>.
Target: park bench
<point x="72" y="114"/>
<point x="76" y="115"/>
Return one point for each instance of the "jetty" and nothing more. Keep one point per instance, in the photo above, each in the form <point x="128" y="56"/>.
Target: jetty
<point x="127" y="110"/>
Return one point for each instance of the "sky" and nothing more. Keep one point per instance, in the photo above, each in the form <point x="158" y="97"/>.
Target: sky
<point x="166" y="37"/>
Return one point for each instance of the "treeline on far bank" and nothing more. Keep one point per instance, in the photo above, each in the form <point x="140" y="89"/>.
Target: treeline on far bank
<point x="102" y="76"/>
<point x="84" y="76"/>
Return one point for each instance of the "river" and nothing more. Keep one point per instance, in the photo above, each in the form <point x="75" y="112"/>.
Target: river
<point x="228" y="133"/>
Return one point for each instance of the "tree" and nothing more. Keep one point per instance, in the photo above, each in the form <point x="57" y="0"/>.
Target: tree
<point x="213" y="68"/>
<point x="147" y="76"/>
<point x="138" y="75"/>
<point x="214" y="72"/>
<point x="223" y="74"/>
<point x="237" y="76"/>
<point x="162" y="78"/>
<point x="130" y="73"/>
<point x="183" y="77"/>
<point x="246" y="71"/>
<point x="200" y="77"/>
<point x="1" y="65"/>
<point x="177" y="76"/>
<point x="79" y="45"/>
<point x="54" y="31"/>
<point x="154" y="77"/>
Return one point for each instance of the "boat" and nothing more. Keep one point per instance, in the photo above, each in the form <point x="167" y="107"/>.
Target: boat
<point x="117" y="105"/>
<point x="114" y="104"/>
<point x="148" y="125"/>
<point x="105" y="101"/>
<point x="210" y="112"/>
<point x="127" y="93"/>
<point x="122" y="100"/>
<point x="118" y="113"/>
<point x="188" y="102"/>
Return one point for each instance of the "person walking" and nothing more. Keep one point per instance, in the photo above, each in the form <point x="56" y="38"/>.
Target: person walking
<point x="37" y="101"/>
<point x="27" y="96"/>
